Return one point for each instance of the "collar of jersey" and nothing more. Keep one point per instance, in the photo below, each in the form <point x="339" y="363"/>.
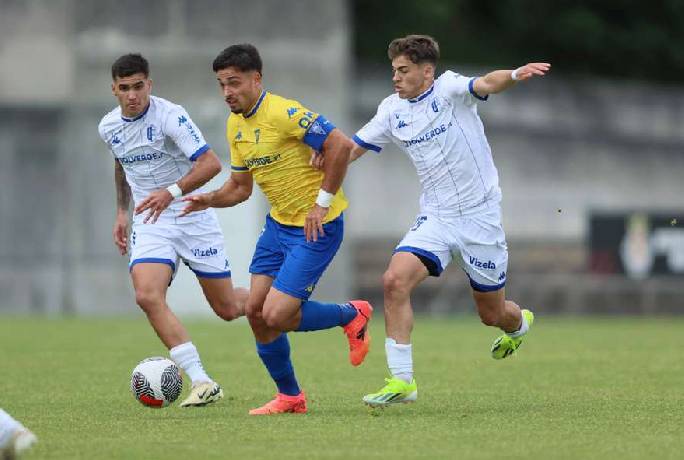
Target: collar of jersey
<point x="424" y="95"/>
<point x="138" y="117"/>
<point x="256" y="106"/>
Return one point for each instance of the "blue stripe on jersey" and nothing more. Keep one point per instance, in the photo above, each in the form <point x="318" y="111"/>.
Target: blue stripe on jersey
<point x="423" y="96"/>
<point x="199" y="152"/>
<point x="138" y="117"/>
<point x="471" y="88"/>
<point x="239" y="168"/>
<point x="365" y="144"/>
<point x="318" y="132"/>
<point x="256" y="106"/>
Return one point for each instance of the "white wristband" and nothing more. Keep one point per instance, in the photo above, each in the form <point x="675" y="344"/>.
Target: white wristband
<point x="324" y="199"/>
<point x="514" y="74"/>
<point x="175" y="190"/>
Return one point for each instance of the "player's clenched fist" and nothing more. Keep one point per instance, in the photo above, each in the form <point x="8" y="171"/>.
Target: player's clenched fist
<point x="196" y="203"/>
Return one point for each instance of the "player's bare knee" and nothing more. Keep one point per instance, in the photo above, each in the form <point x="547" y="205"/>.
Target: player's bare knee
<point x="225" y="310"/>
<point x="394" y="285"/>
<point x="274" y="318"/>
<point x="148" y="300"/>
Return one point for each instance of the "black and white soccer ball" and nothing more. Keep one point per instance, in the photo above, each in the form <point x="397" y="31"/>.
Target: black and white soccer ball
<point x="156" y="382"/>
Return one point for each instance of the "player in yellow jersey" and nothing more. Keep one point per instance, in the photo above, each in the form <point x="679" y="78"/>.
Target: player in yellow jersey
<point x="270" y="141"/>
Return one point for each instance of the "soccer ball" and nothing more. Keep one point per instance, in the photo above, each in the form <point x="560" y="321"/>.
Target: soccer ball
<point x="156" y="382"/>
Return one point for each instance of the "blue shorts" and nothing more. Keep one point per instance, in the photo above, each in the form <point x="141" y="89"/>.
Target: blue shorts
<point x="296" y="265"/>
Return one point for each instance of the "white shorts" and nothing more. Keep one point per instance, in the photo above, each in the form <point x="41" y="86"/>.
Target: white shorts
<point x="476" y="240"/>
<point x="199" y="244"/>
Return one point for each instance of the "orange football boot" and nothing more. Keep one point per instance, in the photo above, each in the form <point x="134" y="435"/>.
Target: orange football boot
<point x="357" y="332"/>
<point x="283" y="404"/>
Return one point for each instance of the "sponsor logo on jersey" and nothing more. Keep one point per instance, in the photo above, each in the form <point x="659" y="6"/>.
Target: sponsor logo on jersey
<point x="475" y="262"/>
<point x="238" y="136"/>
<point x="149" y="156"/>
<point x="116" y="140"/>
<point x="401" y="124"/>
<point x="205" y="252"/>
<point x="502" y="276"/>
<point x="262" y="161"/>
<point x="257" y="133"/>
<point x="435" y="132"/>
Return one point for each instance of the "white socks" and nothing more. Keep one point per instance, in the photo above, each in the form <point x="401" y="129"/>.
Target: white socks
<point x="399" y="360"/>
<point x="8" y="426"/>
<point x="186" y="356"/>
<point x="523" y="329"/>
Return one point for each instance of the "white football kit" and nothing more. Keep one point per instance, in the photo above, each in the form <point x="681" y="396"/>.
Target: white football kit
<point x="156" y="149"/>
<point x="460" y="212"/>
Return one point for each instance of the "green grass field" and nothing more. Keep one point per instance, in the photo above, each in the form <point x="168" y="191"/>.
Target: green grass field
<point x="579" y="388"/>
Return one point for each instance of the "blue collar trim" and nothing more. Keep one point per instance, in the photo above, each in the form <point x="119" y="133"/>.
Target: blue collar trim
<point x="424" y="95"/>
<point x="144" y="112"/>
<point x="256" y="106"/>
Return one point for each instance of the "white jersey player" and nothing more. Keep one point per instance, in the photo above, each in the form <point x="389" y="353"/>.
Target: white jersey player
<point x="14" y="437"/>
<point x="435" y="122"/>
<point x="159" y="155"/>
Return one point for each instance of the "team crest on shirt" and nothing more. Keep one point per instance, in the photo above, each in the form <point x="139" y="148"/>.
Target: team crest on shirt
<point x="435" y="107"/>
<point x="291" y="111"/>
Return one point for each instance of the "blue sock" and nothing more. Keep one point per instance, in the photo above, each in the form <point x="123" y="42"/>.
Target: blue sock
<point x="317" y="315"/>
<point x="276" y="358"/>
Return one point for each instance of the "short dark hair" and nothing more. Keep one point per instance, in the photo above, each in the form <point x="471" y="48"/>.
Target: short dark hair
<point x="418" y="48"/>
<point x="130" y="64"/>
<point x="244" y="57"/>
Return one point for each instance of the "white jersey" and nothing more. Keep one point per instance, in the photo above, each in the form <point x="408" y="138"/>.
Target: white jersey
<point x="443" y="135"/>
<point x="156" y="149"/>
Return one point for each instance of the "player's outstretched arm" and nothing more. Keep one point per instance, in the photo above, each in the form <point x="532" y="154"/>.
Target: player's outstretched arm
<point x="500" y="80"/>
<point x="203" y="169"/>
<point x="123" y="203"/>
<point x="236" y="190"/>
<point x="337" y="150"/>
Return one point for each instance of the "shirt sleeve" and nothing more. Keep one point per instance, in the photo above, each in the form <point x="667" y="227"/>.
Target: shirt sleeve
<point x="103" y="136"/>
<point x="460" y="88"/>
<point x="376" y="133"/>
<point x="185" y="134"/>
<point x="304" y="125"/>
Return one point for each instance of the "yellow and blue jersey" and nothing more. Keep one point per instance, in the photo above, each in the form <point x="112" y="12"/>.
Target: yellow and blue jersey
<point x="273" y="142"/>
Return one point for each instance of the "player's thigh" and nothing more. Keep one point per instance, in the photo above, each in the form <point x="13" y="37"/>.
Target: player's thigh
<point x="481" y="243"/>
<point x="306" y="261"/>
<point x="259" y="288"/>
<point x="151" y="281"/>
<point x="426" y="242"/>
<point x="405" y="271"/>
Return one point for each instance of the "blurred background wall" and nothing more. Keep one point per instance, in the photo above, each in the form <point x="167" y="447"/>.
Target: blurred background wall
<point x="589" y="158"/>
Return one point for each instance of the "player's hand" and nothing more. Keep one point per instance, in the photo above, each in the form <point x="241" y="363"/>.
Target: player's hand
<point x="530" y="70"/>
<point x="120" y="232"/>
<point x="317" y="160"/>
<point x="195" y="203"/>
<point x="313" y="225"/>
<point x="156" y="202"/>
